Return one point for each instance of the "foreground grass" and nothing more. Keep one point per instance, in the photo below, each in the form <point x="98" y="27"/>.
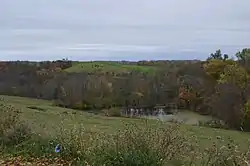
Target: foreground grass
<point x="105" y="66"/>
<point x="97" y="140"/>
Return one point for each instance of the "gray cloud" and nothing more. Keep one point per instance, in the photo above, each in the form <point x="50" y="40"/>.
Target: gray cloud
<point x="145" y="29"/>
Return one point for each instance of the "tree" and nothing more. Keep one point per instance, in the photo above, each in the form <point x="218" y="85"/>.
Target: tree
<point x="243" y="55"/>
<point x="218" y="55"/>
<point x="245" y="121"/>
<point x="225" y="57"/>
<point x="229" y="101"/>
<point x="236" y="75"/>
<point x="215" y="67"/>
<point x="244" y="58"/>
<point x="226" y="104"/>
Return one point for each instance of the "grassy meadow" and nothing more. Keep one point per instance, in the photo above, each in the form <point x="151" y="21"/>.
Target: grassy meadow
<point x="91" y="139"/>
<point x="105" y="66"/>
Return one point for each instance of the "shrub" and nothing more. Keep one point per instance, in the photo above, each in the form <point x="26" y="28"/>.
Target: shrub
<point x="228" y="155"/>
<point x="245" y="120"/>
<point x="12" y="130"/>
<point x="143" y="144"/>
<point x="146" y="144"/>
<point x="213" y="124"/>
<point x="136" y="145"/>
<point x="114" y="112"/>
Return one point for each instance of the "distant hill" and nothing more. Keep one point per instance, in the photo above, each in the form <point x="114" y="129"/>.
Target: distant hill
<point x="109" y="66"/>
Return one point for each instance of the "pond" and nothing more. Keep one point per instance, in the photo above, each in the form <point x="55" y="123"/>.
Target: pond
<point x="183" y="116"/>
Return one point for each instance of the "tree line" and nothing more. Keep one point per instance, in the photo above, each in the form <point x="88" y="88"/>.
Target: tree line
<point x="218" y="86"/>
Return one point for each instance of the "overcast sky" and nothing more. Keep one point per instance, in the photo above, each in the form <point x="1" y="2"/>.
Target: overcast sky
<point x="121" y="29"/>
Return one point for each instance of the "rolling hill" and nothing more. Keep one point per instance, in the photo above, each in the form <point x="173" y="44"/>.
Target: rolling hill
<point x="108" y="66"/>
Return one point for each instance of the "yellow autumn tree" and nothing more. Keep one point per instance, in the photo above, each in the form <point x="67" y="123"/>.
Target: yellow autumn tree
<point x="235" y="75"/>
<point x="215" y="67"/>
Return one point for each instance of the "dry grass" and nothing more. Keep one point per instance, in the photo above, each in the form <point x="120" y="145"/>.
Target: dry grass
<point x="147" y="144"/>
<point x="140" y="142"/>
<point x="12" y="130"/>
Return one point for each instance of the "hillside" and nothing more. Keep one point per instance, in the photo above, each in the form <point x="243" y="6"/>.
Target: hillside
<point x="89" y="139"/>
<point x="106" y="66"/>
<point x="84" y="103"/>
<point x="200" y="86"/>
<point x="47" y="120"/>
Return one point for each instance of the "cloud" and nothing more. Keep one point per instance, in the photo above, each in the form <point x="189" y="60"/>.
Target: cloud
<point x="94" y="28"/>
<point x="116" y="47"/>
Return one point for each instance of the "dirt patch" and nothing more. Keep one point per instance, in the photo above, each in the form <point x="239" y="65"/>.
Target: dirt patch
<point x="37" y="108"/>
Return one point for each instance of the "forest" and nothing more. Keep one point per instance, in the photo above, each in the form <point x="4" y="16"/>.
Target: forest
<point x="219" y="86"/>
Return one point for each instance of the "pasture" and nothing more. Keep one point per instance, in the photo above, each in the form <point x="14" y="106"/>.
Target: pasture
<point x="106" y="66"/>
<point x="49" y="119"/>
<point x="96" y="138"/>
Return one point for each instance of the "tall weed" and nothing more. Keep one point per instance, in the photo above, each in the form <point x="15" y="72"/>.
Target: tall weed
<point x="12" y="130"/>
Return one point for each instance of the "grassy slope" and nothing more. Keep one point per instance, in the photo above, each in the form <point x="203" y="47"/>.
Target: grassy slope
<point x="105" y="66"/>
<point x="49" y="121"/>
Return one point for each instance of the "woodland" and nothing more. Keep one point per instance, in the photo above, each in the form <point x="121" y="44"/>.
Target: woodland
<point x="218" y="86"/>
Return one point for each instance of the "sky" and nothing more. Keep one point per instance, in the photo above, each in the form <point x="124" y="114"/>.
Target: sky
<point x="122" y="29"/>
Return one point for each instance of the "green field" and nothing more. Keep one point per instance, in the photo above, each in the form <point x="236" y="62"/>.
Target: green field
<point x="49" y="119"/>
<point x="105" y="66"/>
<point x="98" y="139"/>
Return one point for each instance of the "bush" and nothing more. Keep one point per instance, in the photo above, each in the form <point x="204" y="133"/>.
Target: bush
<point x="12" y="130"/>
<point x="214" y="124"/>
<point x="135" y="145"/>
<point x="245" y="120"/>
<point x="228" y="155"/>
<point x="144" y="144"/>
<point x="114" y="112"/>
